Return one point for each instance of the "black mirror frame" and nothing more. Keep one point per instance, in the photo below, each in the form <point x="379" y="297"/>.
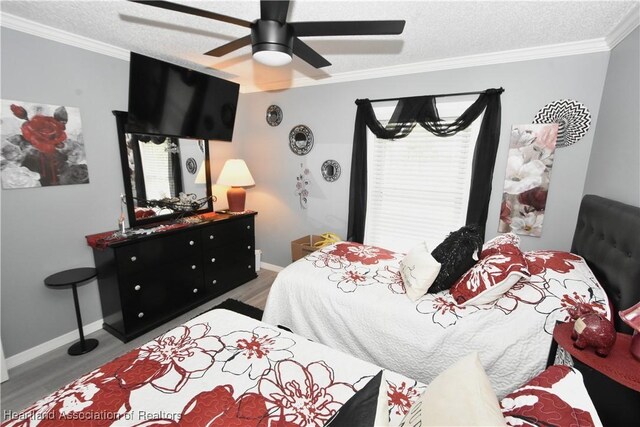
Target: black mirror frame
<point x="121" y="121"/>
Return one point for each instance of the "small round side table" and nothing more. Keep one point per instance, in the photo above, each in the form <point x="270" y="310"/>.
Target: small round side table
<point x="73" y="278"/>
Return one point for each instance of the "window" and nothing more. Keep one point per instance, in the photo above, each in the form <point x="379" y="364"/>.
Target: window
<point x="418" y="186"/>
<point x="156" y="160"/>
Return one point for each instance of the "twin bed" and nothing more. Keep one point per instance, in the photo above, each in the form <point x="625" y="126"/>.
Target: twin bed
<point x="223" y="369"/>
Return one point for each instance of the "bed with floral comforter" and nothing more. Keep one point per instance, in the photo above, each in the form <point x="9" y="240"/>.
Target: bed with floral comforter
<point x="351" y="297"/>
<point x="220" y="369"/>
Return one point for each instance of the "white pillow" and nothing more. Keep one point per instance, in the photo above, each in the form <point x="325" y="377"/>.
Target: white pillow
<point x="460" y="396"/>
<point x="418" y="270"/>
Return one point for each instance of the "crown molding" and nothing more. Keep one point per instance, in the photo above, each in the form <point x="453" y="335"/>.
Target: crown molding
<point x="30" y="27"/>
<point x="629" y="23"/>
<point x="492" y="58"/>
<point x="626" y="25"/>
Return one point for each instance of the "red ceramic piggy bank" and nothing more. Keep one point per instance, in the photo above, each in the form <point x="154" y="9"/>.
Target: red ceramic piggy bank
<point x="594" y="330"/>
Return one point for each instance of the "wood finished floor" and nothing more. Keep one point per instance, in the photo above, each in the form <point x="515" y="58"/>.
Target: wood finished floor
<point x="37" y="378"/>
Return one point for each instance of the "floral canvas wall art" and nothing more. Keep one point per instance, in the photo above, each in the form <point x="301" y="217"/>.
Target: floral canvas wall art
<point x="42" y="145"/>
<point x="526" y="183"/>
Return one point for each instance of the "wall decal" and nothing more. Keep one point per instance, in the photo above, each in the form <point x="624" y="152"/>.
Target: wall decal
<point x="527" y="178"/>
<point x="573" y="118"/>
<point x="302" y="180"/>
<point x="42" y="145"/>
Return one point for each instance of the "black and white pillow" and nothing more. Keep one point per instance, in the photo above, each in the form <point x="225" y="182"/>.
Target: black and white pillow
<point x="456" y="255"/>
<point x="367" y="408"/>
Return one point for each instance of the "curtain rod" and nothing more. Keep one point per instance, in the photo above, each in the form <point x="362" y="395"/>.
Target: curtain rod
<point x="500" y="90"/>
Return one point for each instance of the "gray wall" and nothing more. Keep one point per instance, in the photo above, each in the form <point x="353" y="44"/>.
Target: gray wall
<point x="614" y="166"/>
<point x="43" y="229"/>
<point x="329" y="111"/>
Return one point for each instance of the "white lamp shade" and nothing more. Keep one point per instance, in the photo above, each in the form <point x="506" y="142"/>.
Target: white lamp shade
<point x="235" y="173"/>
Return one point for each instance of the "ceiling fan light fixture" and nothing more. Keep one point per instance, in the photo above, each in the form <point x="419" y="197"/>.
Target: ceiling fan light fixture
<point x="272" y="58"/>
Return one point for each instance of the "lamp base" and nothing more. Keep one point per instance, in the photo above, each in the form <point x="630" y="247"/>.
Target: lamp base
<point x="236" y="197"/>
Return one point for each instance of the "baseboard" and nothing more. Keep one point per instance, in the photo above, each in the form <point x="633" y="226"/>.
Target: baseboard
<point x="271" y="267"/>
<point x="40" y="349"/>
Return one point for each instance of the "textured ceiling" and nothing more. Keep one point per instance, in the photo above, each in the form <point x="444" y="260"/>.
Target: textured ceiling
<point x="434" y="30"/>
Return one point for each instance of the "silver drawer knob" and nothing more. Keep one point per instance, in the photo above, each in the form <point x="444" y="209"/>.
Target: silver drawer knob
<point x="213" y="282"/>
<point x="211" y="237"/>
<point x="248" y="247"/>
<point x="248" y="227"/>
<point x="141" y="315"/>
<point x="213" y="260"/>
<point x="191" y="242"/>
<point x="137" y="287"/>
<point x="133" y="259"/>
<point x="195" y="290"/>
<point x="193" y="267"/>
<point x="249" y="266"/>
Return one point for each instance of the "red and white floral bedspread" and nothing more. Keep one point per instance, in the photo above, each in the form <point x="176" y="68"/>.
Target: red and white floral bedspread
<point x="351" y="297"/>
<point x="220" y="369"/>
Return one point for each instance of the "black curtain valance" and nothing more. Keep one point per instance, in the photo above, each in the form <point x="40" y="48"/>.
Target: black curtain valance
<point x="423" y="110"/>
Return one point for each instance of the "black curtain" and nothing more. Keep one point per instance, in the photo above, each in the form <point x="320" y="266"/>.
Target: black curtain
<point x="138" y="175"/>
<point x="423" y="110"/>
<point x="175" y="169"/>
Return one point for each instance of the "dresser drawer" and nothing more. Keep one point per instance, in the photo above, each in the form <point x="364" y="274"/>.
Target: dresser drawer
<point x="220" y="280"/>
<point x="228" y="233"/>
<point x="229" y="254"/>
<point x="150" y="254"/>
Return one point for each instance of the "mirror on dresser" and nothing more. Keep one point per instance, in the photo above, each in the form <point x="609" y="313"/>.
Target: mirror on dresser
<point x="164" y="177"/>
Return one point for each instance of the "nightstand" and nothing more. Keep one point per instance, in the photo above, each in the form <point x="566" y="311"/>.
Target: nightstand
<point x="613" y="382"/>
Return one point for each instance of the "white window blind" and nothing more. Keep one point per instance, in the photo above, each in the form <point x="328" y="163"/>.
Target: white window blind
<point x="418" y="186"/>
<point x="155" y="158"/>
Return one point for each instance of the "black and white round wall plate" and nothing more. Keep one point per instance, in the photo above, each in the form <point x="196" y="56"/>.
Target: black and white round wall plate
<point x="331" y="170"/>
<point x="274" y="115"/>
<point x="301" y="140"/>
<point x="192" y="165"/>
<point x="573" y="118"/>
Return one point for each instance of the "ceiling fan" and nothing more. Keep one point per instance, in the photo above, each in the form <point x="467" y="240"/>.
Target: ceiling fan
<point x="274" y="40"/>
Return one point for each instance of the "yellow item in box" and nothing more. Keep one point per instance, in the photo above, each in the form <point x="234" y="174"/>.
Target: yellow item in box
<point x="305" y="245"/>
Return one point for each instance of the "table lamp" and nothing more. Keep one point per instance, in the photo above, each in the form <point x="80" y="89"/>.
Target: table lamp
<point x="631" y="317"/>
<point x="235" y="174"/>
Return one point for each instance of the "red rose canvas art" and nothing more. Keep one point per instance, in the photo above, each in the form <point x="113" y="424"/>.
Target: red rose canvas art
<point x="42" y="145"/>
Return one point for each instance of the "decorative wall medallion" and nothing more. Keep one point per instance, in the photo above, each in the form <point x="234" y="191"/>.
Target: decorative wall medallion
<point x="274" y="115"/>
<point x="573" y="118"/>
<point x="331" y="170"/>
<point x="301" y="140"/>
<point x="192" y="165"/>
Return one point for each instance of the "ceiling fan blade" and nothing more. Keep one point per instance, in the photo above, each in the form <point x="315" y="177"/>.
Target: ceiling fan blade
<point x="274" y="10"/>
<point x="193" y="11"/>
<point x="347" y="28"/>
<point x="304" y="52"/>
<point x="230" y="47"/>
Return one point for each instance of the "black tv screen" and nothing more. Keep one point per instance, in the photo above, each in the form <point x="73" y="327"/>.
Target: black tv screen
<point x="166" y="99"/>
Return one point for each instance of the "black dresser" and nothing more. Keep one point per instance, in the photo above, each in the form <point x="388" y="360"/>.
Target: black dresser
<point x="146" y="280"/>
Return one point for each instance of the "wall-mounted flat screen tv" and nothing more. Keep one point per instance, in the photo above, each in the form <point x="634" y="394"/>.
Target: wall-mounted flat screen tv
<point x="166" y="99"/>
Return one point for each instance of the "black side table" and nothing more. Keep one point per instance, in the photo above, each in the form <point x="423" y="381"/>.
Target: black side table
<point x="72" y="278"/>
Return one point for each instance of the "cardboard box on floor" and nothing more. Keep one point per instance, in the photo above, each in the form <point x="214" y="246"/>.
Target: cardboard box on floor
<point x="303" y="246"/>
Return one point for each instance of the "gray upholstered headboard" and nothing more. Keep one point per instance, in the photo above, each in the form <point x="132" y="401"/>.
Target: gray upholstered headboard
<point x="607" y="236"/>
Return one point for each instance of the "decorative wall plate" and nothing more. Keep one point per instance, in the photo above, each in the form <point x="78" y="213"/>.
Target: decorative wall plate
<point x="192" y="165"/>
<point x="274" y="115"/>
<point x="573" y="118"/>
<point x="301" y="140"/>
<point x="331" y="170"/>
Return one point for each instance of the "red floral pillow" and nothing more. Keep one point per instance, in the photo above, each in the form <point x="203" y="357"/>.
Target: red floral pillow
<point x="490" y="278"/>
<point x="504" y="243"/>
<point x="556" y="397"/>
